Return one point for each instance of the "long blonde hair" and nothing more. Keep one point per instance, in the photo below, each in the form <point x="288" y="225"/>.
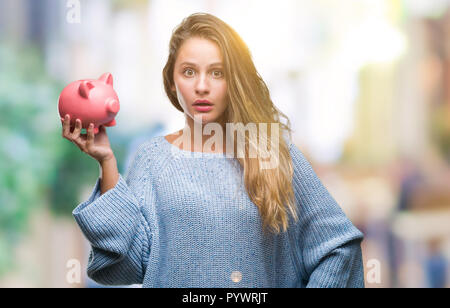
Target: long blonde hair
<point x="248" y="102"/>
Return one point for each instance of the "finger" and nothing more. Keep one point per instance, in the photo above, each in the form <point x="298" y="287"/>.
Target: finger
<point x="90" y="135"/>
<point x="77" y="130"/>
<point x="76" y="137"/>
<point x="66" y="126"/>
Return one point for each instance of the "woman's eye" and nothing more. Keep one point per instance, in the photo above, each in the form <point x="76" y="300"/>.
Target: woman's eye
<point x="188" y="72"/>
<point x="220" y="74"/>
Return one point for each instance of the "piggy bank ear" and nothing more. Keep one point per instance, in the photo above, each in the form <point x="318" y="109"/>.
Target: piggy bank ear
<point x="107" y="78"/>
<point x="84" y="88"/>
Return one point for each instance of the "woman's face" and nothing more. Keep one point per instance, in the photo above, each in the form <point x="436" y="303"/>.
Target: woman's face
<point x="199" y="75"/>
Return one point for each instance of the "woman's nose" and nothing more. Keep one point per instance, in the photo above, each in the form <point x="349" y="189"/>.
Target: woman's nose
<point x="202" y="85"/>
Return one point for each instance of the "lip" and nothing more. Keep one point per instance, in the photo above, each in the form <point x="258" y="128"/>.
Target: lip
<point x="204" y="101"/>
<point x="202" y="108"/>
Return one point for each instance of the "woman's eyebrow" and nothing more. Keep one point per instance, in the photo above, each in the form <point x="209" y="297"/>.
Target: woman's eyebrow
<point x="193" y="64"/>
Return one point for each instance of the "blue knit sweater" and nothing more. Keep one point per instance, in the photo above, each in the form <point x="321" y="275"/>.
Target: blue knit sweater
<point x="181" y="221"/>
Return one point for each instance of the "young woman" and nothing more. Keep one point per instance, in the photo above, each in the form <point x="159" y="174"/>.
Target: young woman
<point x="215" y="219"/>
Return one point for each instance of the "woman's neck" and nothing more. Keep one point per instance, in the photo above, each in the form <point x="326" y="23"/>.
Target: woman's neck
<point x="194" y="131"/>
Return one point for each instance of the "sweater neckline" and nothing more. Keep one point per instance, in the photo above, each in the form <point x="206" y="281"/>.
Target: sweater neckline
<point x="191" y="153"/>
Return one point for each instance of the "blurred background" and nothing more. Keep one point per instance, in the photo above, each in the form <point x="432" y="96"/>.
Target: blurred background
<point x="365" y="83"/>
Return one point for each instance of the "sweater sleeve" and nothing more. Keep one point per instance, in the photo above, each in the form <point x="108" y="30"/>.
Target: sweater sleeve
<point x="116" y="228"/>
<point x="329" y="245"/>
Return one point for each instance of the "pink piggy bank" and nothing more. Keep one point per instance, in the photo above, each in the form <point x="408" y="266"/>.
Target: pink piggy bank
<point x="91" y="101"/>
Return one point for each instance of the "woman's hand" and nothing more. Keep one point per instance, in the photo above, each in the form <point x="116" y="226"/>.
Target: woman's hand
<point x="96" y="146"/>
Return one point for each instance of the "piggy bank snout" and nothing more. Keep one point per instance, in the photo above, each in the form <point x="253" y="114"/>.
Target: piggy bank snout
<point x="112" y="105"/>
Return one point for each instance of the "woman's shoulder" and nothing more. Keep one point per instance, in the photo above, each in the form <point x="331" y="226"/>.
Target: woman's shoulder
<point x="151" y="146"/>
<point x="303" y="169"/>
<point x="147" y="151"/>
<point x="148" y="157"/>
<point x="298" y="157"/>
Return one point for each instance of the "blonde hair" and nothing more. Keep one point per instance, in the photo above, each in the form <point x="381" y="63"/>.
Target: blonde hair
<point x="248" y="102"/>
